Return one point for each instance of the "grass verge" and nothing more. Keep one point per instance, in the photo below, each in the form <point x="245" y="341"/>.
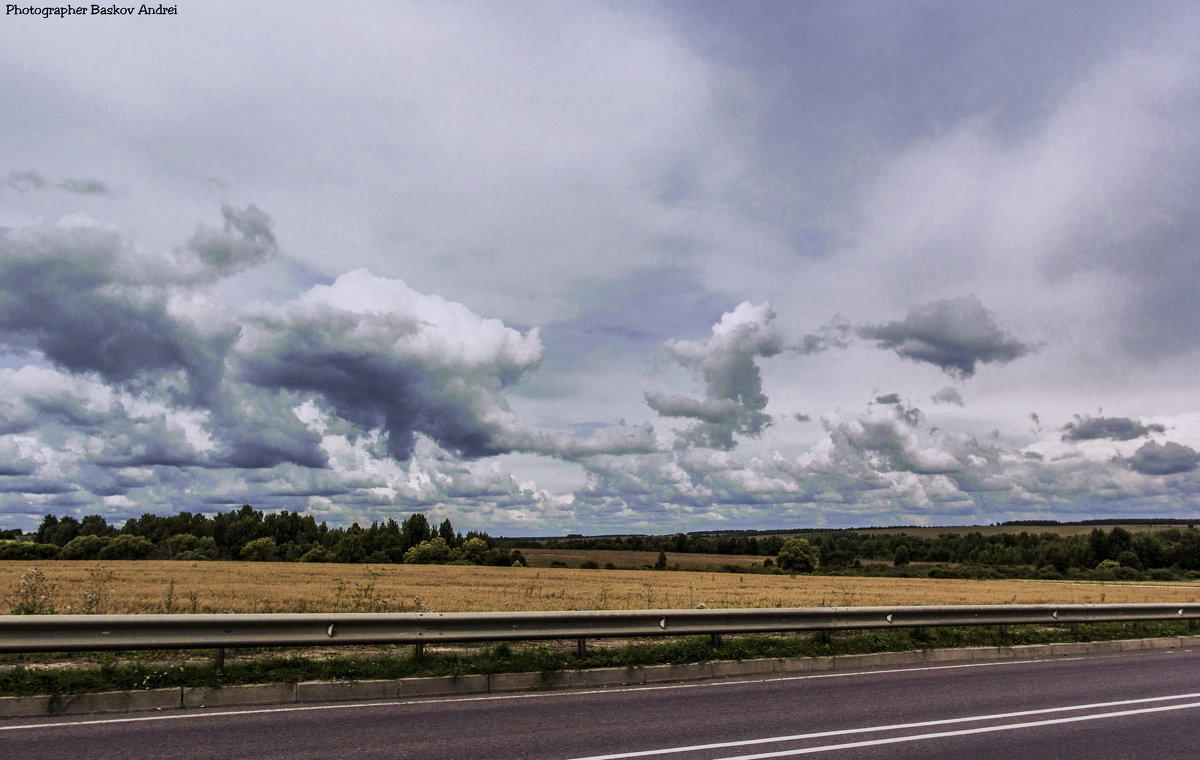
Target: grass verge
<point x="153" y="670"/>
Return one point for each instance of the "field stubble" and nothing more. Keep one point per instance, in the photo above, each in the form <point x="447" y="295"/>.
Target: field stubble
<point x="246" y="587"/>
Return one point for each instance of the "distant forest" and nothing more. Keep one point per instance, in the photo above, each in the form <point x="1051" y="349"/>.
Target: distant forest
<point x="1167" y="554"/>
<point x="251" y="535"/>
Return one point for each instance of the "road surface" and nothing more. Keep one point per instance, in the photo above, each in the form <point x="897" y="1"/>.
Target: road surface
<point x="1130" y="705"/>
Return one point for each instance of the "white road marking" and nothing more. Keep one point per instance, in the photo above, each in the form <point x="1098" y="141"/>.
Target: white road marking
<point x="963" y="732"/>
<point x="922" y="724"/>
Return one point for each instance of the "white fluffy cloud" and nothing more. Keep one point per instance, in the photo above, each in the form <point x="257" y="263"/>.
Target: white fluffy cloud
<point x="727" y="361"/>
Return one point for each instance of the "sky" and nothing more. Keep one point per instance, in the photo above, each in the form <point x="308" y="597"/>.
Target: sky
<point x="603" y="267"/>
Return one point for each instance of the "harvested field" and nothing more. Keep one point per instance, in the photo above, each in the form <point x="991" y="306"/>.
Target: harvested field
<point x="636" y="560"/>
<point x="184" y="587"/>
<point x="996" y="530"/>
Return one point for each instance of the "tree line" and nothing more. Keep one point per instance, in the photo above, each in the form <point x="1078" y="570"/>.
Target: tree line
<point x="1163" y="555"/>
<point x="251" y="535"/>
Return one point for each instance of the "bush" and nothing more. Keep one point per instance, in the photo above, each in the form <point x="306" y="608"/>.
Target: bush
<point x="259" y="550"/>
<point x="27" y="550"/>
<point x="185" y="546"/>
<point x="589" y="565"/>
<point x="126" y="546"/>
<point x="316" y="554"/>
<point x="84" y="547"/>
<point x="431" y="552"/>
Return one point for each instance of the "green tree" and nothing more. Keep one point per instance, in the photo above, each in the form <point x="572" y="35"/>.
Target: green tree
<point x="797" y="556"/>
<point x="446" y="531"/>
<point x="95" y="525"/>
<point x="260" y="550"/>
<point x="414" y="530"/>
<point x="473" y="549"/>
<point x="661" y="562"/>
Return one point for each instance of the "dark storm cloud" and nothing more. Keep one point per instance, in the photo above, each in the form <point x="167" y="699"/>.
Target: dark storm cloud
<point x="955" y="335"/>
<point x="257" y="429"/>
<point x="837" y="334"/>
<point x="23" y="182"/>
<point x="1167" y="459"/>
<point x="84" y="186"/>
<point x="13" y="462"/>
<point x="373" y="391"/>
<point x="614" y="440"/>
<point x="1115" y="428"/>
<point x="384" y="357"/>
<point x="26" y="181"/>
<point x="890" y="398"/>
<point x="245" y="240"/>
<point x="948" y="395"/>
<point x="67" y="294"/>
<point x="716" y="411"/>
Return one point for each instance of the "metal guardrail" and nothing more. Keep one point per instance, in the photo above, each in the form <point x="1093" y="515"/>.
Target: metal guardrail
<point x="62" y="633"/>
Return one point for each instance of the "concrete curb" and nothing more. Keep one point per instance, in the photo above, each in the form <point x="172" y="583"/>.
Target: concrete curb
<point x="500" y="683"/>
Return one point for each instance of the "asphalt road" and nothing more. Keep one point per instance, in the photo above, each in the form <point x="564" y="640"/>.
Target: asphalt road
<point x="1134" y="705"/>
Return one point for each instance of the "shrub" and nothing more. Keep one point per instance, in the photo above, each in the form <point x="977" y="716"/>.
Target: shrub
<point x="84" y="547"/>
<point x="260" y="550"/>
<point x="27" y="550"/>
<point x="431" y="552"/>
<point x="185" y="546"/>
<point x="126" y="546"/>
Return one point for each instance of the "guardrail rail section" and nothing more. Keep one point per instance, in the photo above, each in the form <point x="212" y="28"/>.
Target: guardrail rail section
<point x="63" y="633"/>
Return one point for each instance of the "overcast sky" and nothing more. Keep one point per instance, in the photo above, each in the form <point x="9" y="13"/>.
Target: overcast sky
<point x="603" y="267"/>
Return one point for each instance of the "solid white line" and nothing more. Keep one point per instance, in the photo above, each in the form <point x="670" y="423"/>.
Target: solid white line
<point x="963" y="732"/>
<point x="906" y="726"/>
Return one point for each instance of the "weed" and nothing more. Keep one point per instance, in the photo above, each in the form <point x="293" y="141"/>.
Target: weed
<point x="97" y="590"/>
<point x="168" y="606"/>
<point x="35" y="594"/>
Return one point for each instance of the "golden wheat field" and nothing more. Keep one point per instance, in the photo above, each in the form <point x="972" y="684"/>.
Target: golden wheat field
<point x="636" y="559"/>
<point x="186" y="587"/>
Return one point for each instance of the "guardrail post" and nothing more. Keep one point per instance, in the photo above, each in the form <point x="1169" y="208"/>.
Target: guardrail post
<point x="716" y="639"/>
<point x="581" y="647"/>
<point x="1074" y="628"/>
<point x="219" y="658"/>
<point x="420" y="650"/>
